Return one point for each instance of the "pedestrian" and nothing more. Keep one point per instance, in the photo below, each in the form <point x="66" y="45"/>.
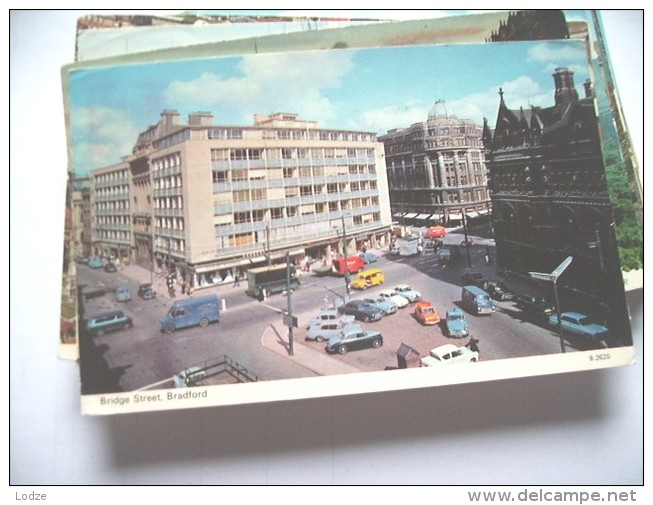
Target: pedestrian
<point x="473" y="344"/>
<point x="183" y="287"/>
<point x="236" y="279"/>
<point x="190" y="291"/>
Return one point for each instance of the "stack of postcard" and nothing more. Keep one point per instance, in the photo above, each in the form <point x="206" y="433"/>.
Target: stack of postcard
<point x="267" y="207"/>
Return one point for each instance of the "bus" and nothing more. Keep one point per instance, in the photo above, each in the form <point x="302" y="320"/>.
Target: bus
<point x="264" y="281"/>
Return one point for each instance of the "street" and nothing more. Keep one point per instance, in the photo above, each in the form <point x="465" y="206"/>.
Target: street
<point x="253" y="334"/>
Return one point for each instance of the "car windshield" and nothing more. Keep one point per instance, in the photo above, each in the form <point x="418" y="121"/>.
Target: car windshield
<point x="455" y="317"/>
<point x="428" y="310"/>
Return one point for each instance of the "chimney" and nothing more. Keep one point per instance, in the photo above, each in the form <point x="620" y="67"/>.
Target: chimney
<point x="564" y="82"/>
<point x="169" y="119"/>
<point x="200" y="119"/>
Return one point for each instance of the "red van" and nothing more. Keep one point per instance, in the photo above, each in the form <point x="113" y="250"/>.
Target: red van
<point x="354" y="264"/>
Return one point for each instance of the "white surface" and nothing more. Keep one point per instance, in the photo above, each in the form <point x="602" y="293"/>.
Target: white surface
<point x="581" y="428"/>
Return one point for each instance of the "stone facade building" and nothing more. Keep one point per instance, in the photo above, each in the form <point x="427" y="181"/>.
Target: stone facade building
<point x="550" y="200"/>
<point x="436" y="170"/>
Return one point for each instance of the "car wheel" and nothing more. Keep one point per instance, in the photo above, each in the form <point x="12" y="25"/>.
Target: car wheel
<point x="342" y="349"/>
<point x="377" y="343"/>
<point x="204" y="322"/>
<point x="170" y="328"/>
<point x="473" y="360"/>
<point x="126" y="326"/>
<point x="319" y="338"/>
<point x="367" y="319"/>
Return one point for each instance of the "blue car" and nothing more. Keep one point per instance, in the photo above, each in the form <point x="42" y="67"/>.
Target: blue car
<point x="456" y="324"/>
<point x="581" y="325"/>
<point x="95" y="262"/>
<point x="368" y="257"/>
<point x="383" y="304"/>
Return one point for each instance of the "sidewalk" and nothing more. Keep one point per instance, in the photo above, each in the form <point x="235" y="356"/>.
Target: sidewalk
<point x="275" y="338"/>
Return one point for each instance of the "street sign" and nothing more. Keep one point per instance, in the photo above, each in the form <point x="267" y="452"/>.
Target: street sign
<point x="290" y="321"/>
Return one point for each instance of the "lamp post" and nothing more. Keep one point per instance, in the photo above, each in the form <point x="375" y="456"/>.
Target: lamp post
<point x="344" y="249"/>
<point x="553" y="277"/>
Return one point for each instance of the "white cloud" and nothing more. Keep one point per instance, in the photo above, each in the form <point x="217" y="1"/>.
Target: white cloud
<point x="289" y="82"/>
<point x="561" y="53"/>
<point x="101" y="135"/>
<point x="391" y="116"/>
<point x="521" y="92"/>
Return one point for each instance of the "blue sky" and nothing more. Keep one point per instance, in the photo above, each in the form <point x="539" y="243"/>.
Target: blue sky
<point x="364" y="89"/>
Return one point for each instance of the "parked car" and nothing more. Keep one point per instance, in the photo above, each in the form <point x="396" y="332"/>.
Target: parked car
<point x="369" y="257"/>
<point x="435" y="232"/>
<point x="110" y="267"/>
<point x="426" y="314"/>
<point x="123" y="294"/>
<point x="361" y="310"/>
<point x="328" y="330"/>
<point x="95" y="262"/>
<point x="330" y="316"/>
<point x="104" y="322"/>
<point x="455" y="324"/>
<point x="474" y="278"/>
<point x="396" y="298"/>
<point x="385" y="305"/>
<point x="410" y="294"/>
<point x="499" y="291"/>
<point x="146" y="291"/>
<point x="449" y="353"/>
<point x="353" y="339"/>
<point x="579" y="324"/>
<point x="533" y="305"/>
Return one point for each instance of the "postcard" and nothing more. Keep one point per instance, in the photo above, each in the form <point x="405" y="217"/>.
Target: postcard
<point x="280" y="225"/>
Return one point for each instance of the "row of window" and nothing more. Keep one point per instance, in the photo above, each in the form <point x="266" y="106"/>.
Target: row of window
<point x="116" y="175"/>
<point x="291" y="134"/>
<point x="167" y="161"/>
<point x="245" y="174"/>
<point x="288" y="153"/>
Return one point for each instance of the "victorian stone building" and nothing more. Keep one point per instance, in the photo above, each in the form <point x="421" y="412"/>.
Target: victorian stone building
<point x="550" y="201"/>
<point x="436" y="170"/>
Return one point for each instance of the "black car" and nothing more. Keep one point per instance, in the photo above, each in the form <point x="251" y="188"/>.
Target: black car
<point x="499" y="291"/>
<point x="361" y="310"/>
<point x="146" y="291"/>
<point x="474" y="278"/>
<point x="534" y="305"/>
<point x="110" y="267"/>
<point x="353" y="339"/>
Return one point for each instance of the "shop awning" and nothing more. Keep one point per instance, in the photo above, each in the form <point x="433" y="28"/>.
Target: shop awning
<point x="455" y="216"/>
<point x="423" y="216"/>
<point x="472" y="214"/>
<point x="411" y="215"/>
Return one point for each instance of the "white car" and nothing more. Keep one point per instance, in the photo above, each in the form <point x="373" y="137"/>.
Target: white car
<point x="392" y="295"/>
<point x="412" y="295"/>
<point x="449" y="353"/>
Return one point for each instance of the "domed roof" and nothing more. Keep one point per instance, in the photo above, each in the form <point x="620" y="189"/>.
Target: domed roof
<point x="439" y="110"/>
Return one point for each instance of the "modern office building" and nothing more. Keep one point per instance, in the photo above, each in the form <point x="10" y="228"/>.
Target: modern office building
<point x="436" y="170"/>
<point x="209" y="200"/>
<point x="550" y="200"/>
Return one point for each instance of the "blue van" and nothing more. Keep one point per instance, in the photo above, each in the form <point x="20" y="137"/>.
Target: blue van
<point x="191" y="312"/>
<point x="477" y="301"/>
